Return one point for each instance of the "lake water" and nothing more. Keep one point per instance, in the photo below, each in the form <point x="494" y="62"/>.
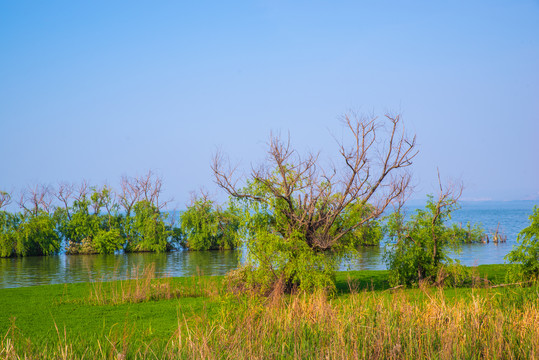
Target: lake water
<point x="14" y="272"/>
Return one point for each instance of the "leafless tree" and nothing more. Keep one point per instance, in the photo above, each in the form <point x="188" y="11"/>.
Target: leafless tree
<point x="147" y="187"/>
<point x="36" y="198"/>
<point x="109" y="201"/>
<point x="150" y="186"/>
<point x="129" y="194"/>
<point x="64" y="194"/>
<point x="373" y="171"/>
<point x="82" y="191"/>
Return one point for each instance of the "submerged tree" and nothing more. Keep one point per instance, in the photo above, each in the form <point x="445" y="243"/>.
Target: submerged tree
<point x="36" y="231"/>
<point x="145" y="226"/>
<point x="418" y="248"/>
<point x="9" y="224"/>
<point x="296" y="211"/>
<point x="207" y="226"/>
<point x="91" y="225"/>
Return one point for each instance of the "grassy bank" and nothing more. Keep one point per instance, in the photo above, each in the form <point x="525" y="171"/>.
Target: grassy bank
<point x="193" y="318"/>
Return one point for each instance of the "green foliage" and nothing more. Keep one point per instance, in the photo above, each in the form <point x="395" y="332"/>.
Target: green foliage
<point x="87" y="229"/>
<point x="80" y="230"/>
<point x="209" y="228"/>
<point x="418" y="247"/>
<point x="526" y="253"/>
<point x="148" y="230"/>
<point x="37" y="235"/>
<point x="369" y="234"/>
<point x="90" y="224"/>
<point x="107" y="241"/>
<point x="281" y="255"/>
<point x="9" y="224"/>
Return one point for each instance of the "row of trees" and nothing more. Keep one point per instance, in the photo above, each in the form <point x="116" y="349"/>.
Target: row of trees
<point x="296" y="216"/>
<point x="90" y="220"/>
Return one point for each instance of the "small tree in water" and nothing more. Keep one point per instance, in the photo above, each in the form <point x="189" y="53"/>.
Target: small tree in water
<point x="418" y="248"/>
<point x="207" y="226"/>
<point x="299" y="217"/>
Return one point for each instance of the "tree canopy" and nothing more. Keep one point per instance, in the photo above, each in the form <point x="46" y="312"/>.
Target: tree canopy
<point x="300" y="216"/>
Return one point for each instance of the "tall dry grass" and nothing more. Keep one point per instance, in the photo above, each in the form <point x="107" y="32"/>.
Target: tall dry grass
<point x="421" y="324"/>
<point x="144" y="286"/>
<point x="366" y="326"/>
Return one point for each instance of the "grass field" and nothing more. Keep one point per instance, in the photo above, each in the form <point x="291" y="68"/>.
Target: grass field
<point x="194" y="318"/>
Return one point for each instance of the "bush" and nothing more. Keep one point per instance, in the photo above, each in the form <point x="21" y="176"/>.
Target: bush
<point x="526" y="253"/>
<point x="9" y="224"/>
<point x="37" y="235"/>
<point x="207" y="228"/>
<point x="418" y="248"/>
<point x="148" y="230"/>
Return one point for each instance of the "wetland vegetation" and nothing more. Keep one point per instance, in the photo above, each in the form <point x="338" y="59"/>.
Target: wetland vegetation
<point x="197" y="317"/>
<point x="296" y="217"/>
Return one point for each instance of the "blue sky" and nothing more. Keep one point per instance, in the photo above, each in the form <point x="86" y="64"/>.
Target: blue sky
<point x="96" y="90"/>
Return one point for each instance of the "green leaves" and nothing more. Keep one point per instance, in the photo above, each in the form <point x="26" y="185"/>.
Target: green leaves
<point x="418" y="248"/>
<point x="289" y="245"/>
<point x="148" y="230"/>
<point x="36" y="235"/>
<point x="526" y="253"/>
<point x="206" y="227"/>
<point x="9" y="224"/>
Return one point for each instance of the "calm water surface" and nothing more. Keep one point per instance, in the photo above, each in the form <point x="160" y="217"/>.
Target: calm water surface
<point x="15" y="272"/>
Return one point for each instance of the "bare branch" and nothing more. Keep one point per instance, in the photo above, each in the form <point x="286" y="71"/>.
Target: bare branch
<point x="64" y="194"/>
<point x="36" y="198"/>
<point x="373" y="172"/>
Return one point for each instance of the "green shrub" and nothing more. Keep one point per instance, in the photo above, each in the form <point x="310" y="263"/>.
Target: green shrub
<point x="37" y="235"/>
<point x="9" y="224"/>
<point x="418" y="247"/>
<point x="206" y="227"/>
<point x="149" y="231"/>
<point x="526" y="253"/>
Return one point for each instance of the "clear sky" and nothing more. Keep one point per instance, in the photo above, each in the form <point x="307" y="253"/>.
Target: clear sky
<point x="99" y="89"/>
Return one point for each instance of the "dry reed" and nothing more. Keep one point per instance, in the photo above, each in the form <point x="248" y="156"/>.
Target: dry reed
<point x="144" y="286"/>
<point x="404" y="324"/>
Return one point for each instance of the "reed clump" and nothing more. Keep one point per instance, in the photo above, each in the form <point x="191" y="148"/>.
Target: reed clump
<point x="144" y="286"/>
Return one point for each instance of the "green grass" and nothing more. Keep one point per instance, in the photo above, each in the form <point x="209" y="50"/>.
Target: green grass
<point x="36" y="310"/>
<point x="193" y="318"/>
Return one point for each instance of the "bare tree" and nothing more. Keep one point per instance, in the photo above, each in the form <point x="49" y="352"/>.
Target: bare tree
<point x="373" y="171"/>
<point x="147" y="187"/>
<point x="129" y="195"/>
<point x="150" y="186"/>
<point x="64" y="194"/>
<point x="82" y="191"/>
<point x="36" y="198"/>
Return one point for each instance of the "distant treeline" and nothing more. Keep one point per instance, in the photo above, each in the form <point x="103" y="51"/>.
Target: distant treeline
<point x="85" y="219"/>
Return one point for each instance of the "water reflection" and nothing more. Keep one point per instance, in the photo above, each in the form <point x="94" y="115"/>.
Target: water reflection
<point x="60" y="269"/>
